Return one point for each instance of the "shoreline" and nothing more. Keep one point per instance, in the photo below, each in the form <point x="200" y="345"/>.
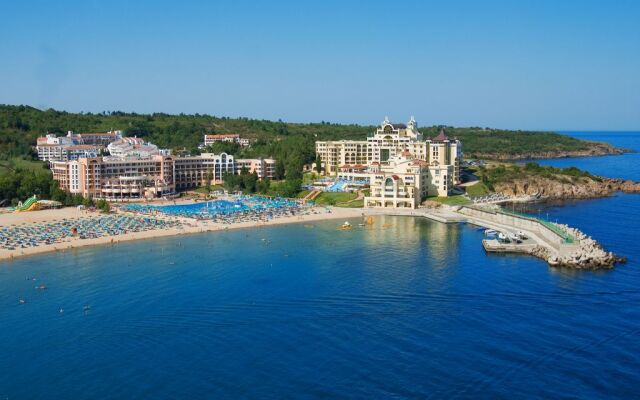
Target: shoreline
<point x="598" y="151"/>
<point x="190" y="226"/>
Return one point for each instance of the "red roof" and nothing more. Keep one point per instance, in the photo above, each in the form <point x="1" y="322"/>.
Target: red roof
<point x="441" y="137"/>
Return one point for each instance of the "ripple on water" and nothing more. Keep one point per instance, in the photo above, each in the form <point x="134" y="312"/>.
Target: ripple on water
<point x="411" y="311"/>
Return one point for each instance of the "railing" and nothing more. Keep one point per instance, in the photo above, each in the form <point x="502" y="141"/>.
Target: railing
<point x="548" y="224"/>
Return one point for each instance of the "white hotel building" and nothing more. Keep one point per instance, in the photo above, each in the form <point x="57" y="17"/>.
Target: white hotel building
<point x="402" y="167"/>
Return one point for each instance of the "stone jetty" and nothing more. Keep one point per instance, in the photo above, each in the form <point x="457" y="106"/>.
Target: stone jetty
<point x="588" y="254"/>
<point x="560" y="245"/>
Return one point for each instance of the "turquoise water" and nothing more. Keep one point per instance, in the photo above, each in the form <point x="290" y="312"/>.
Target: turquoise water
<point x="214" y="208"/>
<point x="414" y="310"/>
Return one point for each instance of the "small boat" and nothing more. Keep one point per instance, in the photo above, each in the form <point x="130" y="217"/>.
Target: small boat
<point x="490" y="232"/>
<point x="345" y="226"/>
<point x="513" y="237"/>
<point x="503" y="238"/>
<point x="521" y="235"/>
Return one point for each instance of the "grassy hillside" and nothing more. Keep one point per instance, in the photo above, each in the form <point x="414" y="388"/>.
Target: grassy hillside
<point x="20" y="125"/>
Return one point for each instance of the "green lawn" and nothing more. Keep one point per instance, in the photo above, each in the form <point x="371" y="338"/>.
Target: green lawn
<point x="302" y="194"/>
<point x="451" y="200"/>
<point x="478" y="189"/>
<point x="330" y="199"/>
<point x="353" y="204"/>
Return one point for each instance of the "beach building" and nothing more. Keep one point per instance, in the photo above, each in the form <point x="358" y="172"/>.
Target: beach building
<point x="396" y="150"/>
<point x="115" y="178"/>
<point x="263" y="167"/>
<point x="400" y="183"/>
<point x="194" y="171"/>
<point x="152" y="176"/>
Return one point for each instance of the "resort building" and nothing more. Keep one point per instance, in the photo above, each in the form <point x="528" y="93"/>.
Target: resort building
<point x="74" y="145"/>
<point x="97" y="139"/>
<point x="402" y="183"/>
<point x="194" y="171"/>
<point x="81" y="150"/>
<point x="158" y="175"/>
<point x="113" y="178"/>
<point x="132" y="147"/>
<point x="263" y="167"/>
<point x="396" y="159"/>
<point x="230" y="138"/>
<point x="53" y="148"/>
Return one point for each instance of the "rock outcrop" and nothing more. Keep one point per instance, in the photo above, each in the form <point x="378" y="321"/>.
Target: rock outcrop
<point x="562" y="187"/>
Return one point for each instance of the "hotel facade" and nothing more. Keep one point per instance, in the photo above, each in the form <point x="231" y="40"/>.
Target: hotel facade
<point x="159" y="175"/>
<point x="401" y="166"/>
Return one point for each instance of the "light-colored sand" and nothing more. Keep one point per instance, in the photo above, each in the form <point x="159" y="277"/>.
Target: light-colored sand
<point x="191" y="226"/>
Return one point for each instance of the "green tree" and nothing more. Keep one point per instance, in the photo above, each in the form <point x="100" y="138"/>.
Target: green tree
<point x="279" y="170"/>
<point x="103" y="206"/>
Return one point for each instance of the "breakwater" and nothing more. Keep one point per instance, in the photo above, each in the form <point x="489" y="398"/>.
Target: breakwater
<point x="559" y="245"/>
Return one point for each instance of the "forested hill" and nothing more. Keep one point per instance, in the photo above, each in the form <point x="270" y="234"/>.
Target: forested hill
<point x="20" y="125"/>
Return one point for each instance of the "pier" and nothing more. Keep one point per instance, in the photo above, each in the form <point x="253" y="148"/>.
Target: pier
<point x="558" y="245"/>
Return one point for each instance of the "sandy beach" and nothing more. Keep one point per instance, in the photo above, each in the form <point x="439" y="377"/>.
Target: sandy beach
<point x="189" y="226"/>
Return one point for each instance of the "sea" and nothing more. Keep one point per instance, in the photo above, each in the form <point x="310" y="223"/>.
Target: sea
<point x="403" y="309"/>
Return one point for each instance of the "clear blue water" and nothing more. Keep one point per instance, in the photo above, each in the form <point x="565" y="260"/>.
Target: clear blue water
<point x="417" y="310"/>
<point x="626" y="166"/>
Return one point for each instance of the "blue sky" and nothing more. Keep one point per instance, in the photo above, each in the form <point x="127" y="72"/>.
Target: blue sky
<point x="511" y="64"/>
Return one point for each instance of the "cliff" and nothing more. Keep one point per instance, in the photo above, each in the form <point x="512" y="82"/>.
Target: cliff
<point x="562" y="187"/>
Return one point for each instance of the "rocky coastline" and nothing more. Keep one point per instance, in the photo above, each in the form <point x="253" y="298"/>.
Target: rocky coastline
<point x="595" y="149"/>
<point x="563" y="188"/>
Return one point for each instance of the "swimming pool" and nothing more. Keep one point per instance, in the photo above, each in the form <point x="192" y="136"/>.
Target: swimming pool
<point x="210" y="209"/>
